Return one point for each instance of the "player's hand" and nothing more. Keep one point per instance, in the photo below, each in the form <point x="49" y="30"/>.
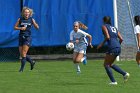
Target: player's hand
<point x="90" y="45"/>
<point x="23" y="28"/>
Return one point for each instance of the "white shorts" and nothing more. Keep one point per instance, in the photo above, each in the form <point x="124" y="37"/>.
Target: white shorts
<point x="80" y="49"/>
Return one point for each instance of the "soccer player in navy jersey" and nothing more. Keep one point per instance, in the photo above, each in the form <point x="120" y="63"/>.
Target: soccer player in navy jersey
<point x="24" y="24"/>
<point x="114" y="39"/>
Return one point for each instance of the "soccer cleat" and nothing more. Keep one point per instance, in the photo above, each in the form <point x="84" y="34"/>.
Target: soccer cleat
<point x="78" y="72"/>
<point x="85" y="61"/>
<point x="126" y="76"/>
<point x="21" y="70"/>
<point x="113" y="83"/>
<point x="32" y="65"/>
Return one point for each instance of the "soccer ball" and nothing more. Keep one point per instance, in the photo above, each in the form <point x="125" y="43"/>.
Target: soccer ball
<point x="69" y="46"/>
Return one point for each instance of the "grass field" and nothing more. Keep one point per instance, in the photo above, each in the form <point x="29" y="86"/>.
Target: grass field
<point x="60" y="77"/>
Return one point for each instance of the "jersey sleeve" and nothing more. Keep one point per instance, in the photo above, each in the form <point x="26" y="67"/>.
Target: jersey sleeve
<point x="84" y="33"/>
<point x="71" y="35"/>
<point x="136" y="30"/>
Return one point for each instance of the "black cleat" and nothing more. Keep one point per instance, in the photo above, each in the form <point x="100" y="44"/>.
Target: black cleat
<point x="32" y="65"/>
<point x="20" y="70"/>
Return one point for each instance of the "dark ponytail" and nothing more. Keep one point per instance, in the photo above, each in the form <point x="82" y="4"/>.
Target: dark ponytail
<point x="137" y="20"/>
<point x="107" y="20"/>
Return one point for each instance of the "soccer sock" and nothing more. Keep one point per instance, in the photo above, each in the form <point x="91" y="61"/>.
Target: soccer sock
<point x="119" y="70"/>
<point x="138" y="64"/>
<point x="23" y="61"/>
<point x="29" y="59"/>
<point x="83" y="59"/>
<point x="109" y="73"/>
<point x="77" y="67"/>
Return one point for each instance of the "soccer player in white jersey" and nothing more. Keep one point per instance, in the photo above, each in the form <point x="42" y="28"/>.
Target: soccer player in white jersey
<point x="78" y="37"/>
<point x="137" y="32"/>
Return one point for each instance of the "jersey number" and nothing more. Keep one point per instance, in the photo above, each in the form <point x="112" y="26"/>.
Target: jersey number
<point x="113" y="29"/>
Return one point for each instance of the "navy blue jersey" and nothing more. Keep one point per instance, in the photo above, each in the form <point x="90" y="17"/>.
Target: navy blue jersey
<point x="25" y="23"/>
<point x="113" y="42"/>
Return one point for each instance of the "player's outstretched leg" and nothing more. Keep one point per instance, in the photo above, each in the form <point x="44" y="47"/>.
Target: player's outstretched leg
<point x="119" y="70"/>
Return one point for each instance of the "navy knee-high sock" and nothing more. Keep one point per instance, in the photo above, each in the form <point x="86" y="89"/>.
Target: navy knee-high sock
<point x="23" y="61"/>
<point x="109" y="73"/>
<point x="118" y="69"/>
<point x="29" y="59"/>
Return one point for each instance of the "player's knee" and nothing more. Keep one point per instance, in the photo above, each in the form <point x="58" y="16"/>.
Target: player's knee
<point x="74" y="60"/>
<point x="78" y="60"/>
<point x="24" y="52"/>
<point x="138" y="59"/>
<point x="106" y="65"/>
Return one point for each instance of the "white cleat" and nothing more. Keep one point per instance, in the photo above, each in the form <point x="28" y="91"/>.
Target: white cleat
<point x="78" y="72"/>
<point x="126" y="76"/>
<point x="113" y="83"/>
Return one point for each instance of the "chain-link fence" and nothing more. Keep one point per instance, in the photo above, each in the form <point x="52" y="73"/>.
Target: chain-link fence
<point x="9" y="54"/>
<point x="127" y="9"/>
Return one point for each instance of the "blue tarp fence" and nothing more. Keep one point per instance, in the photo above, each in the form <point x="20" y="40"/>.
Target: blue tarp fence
<point x="55" y="18"/>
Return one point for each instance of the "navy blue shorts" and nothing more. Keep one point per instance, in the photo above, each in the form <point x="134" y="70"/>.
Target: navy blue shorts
<point x="24" y="40"/>
<point x="114" y="51"/>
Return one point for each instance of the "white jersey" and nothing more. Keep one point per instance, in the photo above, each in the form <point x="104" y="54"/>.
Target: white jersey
<point x="79" y="35"/>
<point x="137" y="29"/>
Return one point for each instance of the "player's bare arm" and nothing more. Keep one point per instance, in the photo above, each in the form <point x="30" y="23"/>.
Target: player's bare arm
<point x="35" y="24"/>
